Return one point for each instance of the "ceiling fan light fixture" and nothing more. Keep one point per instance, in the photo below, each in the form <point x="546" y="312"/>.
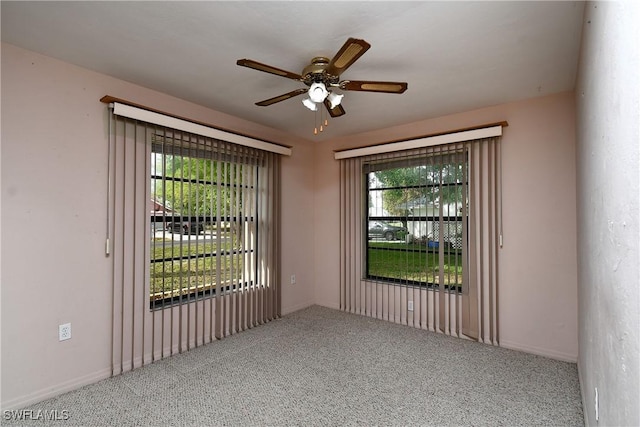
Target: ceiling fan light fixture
<point x="334" y="99"/>
<point x="310" y="104"/>
<point x="317" y="92"/>
<point x="322" y="75"/>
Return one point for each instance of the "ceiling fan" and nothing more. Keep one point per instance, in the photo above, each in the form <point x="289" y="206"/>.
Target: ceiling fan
<point x="323" y="74"/>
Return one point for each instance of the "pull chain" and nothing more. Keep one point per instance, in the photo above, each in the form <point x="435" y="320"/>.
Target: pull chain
<point x="315" y="123"/>
<point x="324" y="121"/>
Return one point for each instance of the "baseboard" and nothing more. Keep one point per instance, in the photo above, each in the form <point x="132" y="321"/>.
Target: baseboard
<point x="296" y="307"/>
<point x="557" y="355"/>
<point x="564" y="357"/>
<point x="333" y="306"/>
<point x="49" y="392"/>
<point x="582" y="395"/>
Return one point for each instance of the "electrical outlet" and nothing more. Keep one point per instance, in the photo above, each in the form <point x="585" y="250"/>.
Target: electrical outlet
<point x="596" y="404"/>
<point x="293" y="279"/>
<point x="64" y="332"/>
<point x="410" y="306"/>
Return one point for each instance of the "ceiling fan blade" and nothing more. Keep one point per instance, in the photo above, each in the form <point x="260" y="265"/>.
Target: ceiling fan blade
<point x="369" y="86"/>
<point x="268" y="69"/>
<point x="336" y="111"/>
<point x="347" y="55"/>
<point x="275" y="99"/>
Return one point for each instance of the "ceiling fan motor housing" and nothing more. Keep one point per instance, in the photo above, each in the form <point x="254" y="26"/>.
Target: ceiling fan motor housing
<point x="316" y="72"/>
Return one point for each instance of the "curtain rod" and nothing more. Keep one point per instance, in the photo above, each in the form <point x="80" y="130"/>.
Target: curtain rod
<point x="213" y="131"/>
<point x="456" y="135"/>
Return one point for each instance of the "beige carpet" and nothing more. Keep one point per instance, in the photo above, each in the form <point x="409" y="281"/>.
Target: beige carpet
<point x="323" y="367"/>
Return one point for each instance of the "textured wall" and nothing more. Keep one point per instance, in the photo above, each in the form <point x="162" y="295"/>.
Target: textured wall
<point x="608" y="165"/>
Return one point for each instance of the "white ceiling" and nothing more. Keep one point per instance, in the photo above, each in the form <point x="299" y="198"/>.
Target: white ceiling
<point x="455" y="56"/>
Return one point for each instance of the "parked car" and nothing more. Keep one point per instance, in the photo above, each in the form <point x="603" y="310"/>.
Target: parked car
<point x="186" y="227"/>
<point x="381" y="229"/>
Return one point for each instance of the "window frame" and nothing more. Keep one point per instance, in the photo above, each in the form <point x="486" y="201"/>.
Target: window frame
<point x="423" y="159"/>
<point x="205" y="291"/>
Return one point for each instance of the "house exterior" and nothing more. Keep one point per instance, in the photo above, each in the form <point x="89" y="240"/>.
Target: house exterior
<point x="158" y="213"/>
<point x="157" y="208"/>
<point x="429" y="228"/>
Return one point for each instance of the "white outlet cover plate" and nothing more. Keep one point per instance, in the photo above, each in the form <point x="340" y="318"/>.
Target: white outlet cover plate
<point x="64" y="332"/>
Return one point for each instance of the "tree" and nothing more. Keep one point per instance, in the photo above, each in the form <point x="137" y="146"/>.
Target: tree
<point x="401" y="187"/>
<point x="195" y="187"/>
<point x="422" y="184"/>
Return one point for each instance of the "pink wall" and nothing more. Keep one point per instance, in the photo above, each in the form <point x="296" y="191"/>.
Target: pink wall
<point x="53" y="214"/>
<point x="54" y="142"/>
<point x="538" y="286"/>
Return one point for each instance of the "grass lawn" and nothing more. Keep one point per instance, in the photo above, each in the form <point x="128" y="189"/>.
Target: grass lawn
<point x="170" y="278"/>
<point x="169" y="250"/>
<point x="393" y="260"/>
<point x="413" y="262"/>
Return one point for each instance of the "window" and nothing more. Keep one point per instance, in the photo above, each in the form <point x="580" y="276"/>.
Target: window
<point x="416" y="210"/>
<point x="420" y="229"/>
<point x="192" y="233"/>
<point x="203" y="223"/>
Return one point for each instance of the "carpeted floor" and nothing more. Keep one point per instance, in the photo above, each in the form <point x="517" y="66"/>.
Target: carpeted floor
<point x="323" y="367"/>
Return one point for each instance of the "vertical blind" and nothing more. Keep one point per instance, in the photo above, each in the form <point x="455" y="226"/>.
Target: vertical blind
<point x="193" y="234"/>
<point x="439" y="274"/>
